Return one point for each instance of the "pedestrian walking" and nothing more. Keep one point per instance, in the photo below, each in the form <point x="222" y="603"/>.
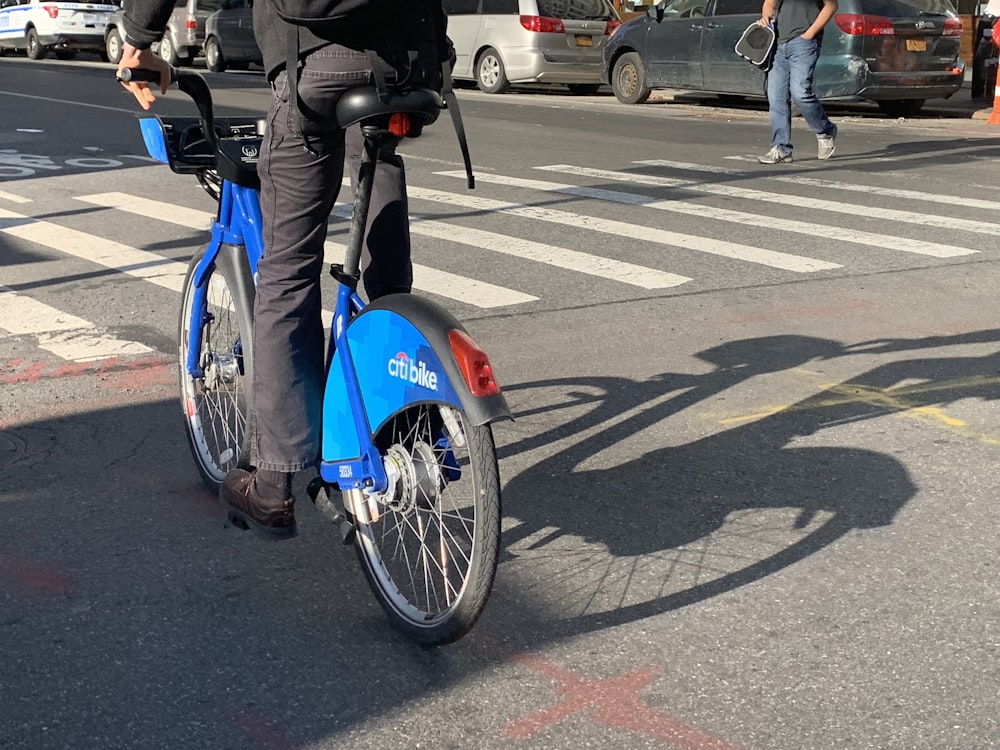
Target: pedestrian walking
<point x="799" y="27"/>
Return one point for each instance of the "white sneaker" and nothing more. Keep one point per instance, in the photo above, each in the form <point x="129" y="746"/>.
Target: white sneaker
<point x="775" y="156"/>
<point x="827" y="144"/>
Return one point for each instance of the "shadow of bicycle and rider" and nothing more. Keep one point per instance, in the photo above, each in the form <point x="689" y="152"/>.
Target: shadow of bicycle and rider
<point x="615" y="542"/>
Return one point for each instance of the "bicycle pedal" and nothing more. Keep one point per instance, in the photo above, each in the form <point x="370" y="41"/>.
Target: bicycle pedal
<point x="313" y="488"/>
<point x="348" y="531"/>
<point x="325" y="506"/>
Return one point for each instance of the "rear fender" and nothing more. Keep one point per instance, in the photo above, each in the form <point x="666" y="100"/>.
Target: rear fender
<point x="408" y="361"/>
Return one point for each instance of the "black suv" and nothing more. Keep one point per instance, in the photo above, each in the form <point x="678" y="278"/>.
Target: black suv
<point x="229" y="39"/>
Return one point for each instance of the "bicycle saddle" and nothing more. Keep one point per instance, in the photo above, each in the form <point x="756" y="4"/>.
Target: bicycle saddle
<point x="364" y="103"/>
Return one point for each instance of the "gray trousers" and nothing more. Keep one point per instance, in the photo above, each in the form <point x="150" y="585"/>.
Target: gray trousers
<point x="298" y="188"/>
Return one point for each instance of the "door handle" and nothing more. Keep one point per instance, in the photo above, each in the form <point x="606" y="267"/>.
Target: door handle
<point x="713" y="25"/>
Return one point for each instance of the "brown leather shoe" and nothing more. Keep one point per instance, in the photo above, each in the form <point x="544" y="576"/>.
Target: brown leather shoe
<point x="245" y="509"/>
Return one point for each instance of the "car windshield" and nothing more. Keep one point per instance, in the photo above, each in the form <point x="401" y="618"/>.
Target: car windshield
<point x="577" y="10"/>
<point x="906" y="8"/>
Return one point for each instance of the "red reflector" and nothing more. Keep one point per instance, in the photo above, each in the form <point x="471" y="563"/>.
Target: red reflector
<point x="612" y="27"/>
<point x="399" y="124"/>
<point x="543" y="24"/>
<point x="860" y="25"/>
<point x="52" y="11"/>
<point x="474" y="364"/>
<point x="191" y="23"/>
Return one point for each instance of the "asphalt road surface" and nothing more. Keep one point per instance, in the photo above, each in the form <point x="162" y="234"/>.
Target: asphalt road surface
<point x="749" y="494"/>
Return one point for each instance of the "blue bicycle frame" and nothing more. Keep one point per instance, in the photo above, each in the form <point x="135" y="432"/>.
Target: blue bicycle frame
<point x="410" y="345"/>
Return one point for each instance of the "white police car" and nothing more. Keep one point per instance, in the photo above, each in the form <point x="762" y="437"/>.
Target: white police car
<point x="36" y="26"/>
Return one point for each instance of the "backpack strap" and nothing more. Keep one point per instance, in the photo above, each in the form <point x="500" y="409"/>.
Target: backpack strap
<point x="451" y="102"/>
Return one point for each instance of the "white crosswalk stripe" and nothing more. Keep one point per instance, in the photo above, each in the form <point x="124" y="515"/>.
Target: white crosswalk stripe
<point x="67" y="336"/>
<point x="13" y="197"/>
<point x="442" y="283"/>
<point x="450" y="285"/>
<point x="912" y="195"/>
<point x="72" y="338"/>
<point x="560" y="257"/>
<point x="189" y="218"/>
<point x="766" y="220"/>
<point x="734" y="250"/>
<point x="163" y="272"/>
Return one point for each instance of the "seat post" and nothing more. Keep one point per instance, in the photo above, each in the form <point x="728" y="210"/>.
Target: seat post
<point x="362" y="201"/>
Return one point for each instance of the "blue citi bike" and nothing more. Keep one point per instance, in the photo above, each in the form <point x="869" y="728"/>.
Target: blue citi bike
<point x="408" y="468"/>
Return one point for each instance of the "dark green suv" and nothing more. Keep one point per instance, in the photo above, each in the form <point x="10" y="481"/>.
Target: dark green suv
<point x="896" y="53"/>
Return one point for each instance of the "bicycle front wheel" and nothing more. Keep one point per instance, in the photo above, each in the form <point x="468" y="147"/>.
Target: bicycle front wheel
<point x="216" y="402"/>
<point x="429" y="545"/>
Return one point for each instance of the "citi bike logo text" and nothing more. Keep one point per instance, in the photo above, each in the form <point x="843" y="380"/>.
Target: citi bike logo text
<point x="402" y="367"/>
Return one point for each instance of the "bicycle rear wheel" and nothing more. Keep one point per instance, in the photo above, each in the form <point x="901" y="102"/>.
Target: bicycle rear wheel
<point x="429" y="545"/>
<point x="217" y="404"/>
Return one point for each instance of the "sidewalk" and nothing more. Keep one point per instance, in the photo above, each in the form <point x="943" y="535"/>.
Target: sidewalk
<point x="959" y="106"/>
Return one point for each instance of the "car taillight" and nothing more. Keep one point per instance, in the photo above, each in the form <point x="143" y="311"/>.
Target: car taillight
<point x="856" y="24"/>
<point x="611" y="28"/>
<point x="52" y="11"/>
<point x="952" y="27"/>
<point x="191" y="23"/>
<point x="543" y="25"/>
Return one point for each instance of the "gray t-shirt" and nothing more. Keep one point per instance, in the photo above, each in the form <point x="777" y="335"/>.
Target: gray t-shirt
<point x="795" y="16"/>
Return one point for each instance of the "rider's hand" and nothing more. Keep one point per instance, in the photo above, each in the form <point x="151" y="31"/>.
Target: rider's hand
<point x="144" y="58"/>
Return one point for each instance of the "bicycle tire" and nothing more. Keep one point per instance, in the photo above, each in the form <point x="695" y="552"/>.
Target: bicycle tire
<point x="216" y="406"/>
<point x="430" y="558"/>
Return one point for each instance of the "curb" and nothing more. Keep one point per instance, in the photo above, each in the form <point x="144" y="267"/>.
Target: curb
<point x="961" y="106"/>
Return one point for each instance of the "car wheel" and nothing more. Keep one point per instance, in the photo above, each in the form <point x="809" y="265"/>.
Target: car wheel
<point x="167" y="51"/>
<point x="490" y="74"/>
<point x="900" y="107"/>
<point x="214" y="60"/>
<point x="34" y="48"/>
<point x="628" y="79"/>
<point x="113" y="46"/>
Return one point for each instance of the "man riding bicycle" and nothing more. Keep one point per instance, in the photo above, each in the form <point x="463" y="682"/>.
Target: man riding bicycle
<point x="301" y="168"/>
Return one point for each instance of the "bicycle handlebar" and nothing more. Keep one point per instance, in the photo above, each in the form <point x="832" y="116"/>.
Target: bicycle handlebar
<point x="135" y="75"/>
<point x="190" y="83"/>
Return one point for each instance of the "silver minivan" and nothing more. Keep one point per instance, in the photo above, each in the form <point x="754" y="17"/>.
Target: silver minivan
<point x="500" y="42"/>
<point x="185" y="32"/>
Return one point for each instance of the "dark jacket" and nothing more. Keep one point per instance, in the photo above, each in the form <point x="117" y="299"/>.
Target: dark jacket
<point x="368" y="28"/>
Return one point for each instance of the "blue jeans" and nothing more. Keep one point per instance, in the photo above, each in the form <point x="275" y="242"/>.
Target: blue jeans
<point x="791" y="80"/>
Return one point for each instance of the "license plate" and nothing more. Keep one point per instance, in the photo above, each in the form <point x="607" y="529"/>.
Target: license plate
<point x="584" y="40"/>
<point x="916" y="45"/>
<point x="90" y="18"/>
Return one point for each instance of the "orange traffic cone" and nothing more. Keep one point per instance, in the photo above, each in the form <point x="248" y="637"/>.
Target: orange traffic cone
<point x="995" y="114"/>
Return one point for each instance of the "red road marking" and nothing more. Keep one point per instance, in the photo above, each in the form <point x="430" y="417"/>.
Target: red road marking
<point x="611" y="703"/>
<point x="263" y="732"/>
<point x="31" y="574"/>
<point x="131" y="374"/>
